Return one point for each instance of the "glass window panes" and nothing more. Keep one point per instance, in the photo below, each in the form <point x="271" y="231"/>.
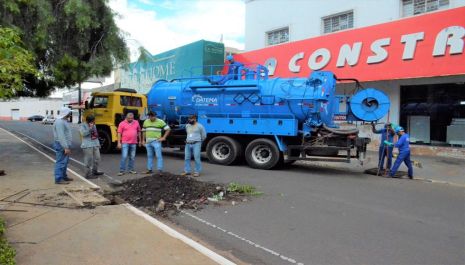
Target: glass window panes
<point x="277" y="36"/>
<point x="338" y="22"/>
<point x="99" y="102"/>
<point x="130" y="101"/>
<point x="415" y="7"/>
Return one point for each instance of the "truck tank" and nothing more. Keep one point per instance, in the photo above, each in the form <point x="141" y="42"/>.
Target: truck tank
<point x="311" y="101"/>
<point x="293" y="111"/>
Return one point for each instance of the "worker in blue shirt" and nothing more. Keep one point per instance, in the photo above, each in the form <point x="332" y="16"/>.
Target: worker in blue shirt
<point x="233" y="68"/>
<point x="387" y="133"/>
<point x="233" y="71"/>
<point x="404" y="153"/>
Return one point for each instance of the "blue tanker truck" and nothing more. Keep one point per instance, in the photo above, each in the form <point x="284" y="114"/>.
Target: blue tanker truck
<point x="269" y="122"/>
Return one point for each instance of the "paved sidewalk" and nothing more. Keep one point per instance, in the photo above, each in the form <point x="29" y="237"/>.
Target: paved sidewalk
<point x="65" y="234"/>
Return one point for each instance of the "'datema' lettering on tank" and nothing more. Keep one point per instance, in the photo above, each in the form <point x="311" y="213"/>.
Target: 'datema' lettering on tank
<point x="199" y="100"/>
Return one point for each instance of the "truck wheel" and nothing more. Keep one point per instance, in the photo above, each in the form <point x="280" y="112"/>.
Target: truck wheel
<point x="263" y="154"/>
<point x="105" y="141"/>
<point x="224" y="150"/>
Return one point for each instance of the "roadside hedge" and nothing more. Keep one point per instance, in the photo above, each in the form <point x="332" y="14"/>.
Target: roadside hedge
<point x="7" y="253"/>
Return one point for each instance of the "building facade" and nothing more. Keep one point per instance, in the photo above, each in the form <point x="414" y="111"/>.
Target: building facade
<point x="413" y="50"/>
<point x="185" y="61"/>
<point x="270" y="22"/>
<point x="22" y="108"/>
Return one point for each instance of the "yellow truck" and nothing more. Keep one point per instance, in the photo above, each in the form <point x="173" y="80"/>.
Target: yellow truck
<point x="109" y="109"/>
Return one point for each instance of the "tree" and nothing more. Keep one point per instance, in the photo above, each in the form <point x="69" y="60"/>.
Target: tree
<point x="71" y="40"/>
<point x="15" y="63"/>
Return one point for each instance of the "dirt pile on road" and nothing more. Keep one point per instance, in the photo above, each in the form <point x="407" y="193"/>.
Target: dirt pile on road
<point x="175" y="191"/>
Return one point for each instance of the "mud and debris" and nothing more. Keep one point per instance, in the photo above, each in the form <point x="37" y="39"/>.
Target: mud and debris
<point x="168" y="193"/>
<point x="383" y="173"/>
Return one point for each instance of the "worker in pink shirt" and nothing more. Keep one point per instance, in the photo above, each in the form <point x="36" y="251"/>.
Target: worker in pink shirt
<point x="129" y="134"/>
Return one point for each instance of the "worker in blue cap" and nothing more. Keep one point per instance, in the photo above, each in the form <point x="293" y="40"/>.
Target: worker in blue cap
<point x="233" y="68"/>
<point x="404" y="153"/>
<point x="233" y="71"/>
<point x="387" y="133"/>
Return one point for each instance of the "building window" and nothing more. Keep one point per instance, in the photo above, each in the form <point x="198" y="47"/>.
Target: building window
<point x="277" y="36"/>
<point x="434" y="114"/>
<point x="58" y="112"/>
<point x="338" y="22"/>
<point x="415" y="7"/>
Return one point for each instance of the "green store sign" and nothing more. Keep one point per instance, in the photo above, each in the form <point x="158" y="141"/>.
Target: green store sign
<point x="184" y="61"/>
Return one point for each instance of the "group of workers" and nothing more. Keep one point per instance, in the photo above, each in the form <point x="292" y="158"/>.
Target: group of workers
<point x="386" y="149"/>
<point x="153" y="132"/>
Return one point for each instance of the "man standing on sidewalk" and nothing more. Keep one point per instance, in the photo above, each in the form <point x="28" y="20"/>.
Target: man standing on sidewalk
<point x="152" y="130"/>
<point x="90" y="147"/>
<point x="129" y="134"/>
<point x="196" y="134"/>
<point x="62" y="145"/>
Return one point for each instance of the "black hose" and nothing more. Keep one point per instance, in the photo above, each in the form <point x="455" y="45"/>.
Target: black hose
<point x="341" y="131"/>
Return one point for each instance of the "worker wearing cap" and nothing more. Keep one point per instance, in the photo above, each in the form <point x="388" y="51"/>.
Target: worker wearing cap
<point x="90" y="147"/>
<point x="152" y="139"/>
<point x="404" y="153"/>
<point x="196" y="134"/>
<point x="387" y="133"/>
<point x="233" y="71"/>
<point x="62" y="145"/>
<point x="233" y="68"/>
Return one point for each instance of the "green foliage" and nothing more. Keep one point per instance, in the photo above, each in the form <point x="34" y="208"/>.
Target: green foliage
<point x="243" y="189"/>
<point x="7" y="253"/>
<point x="15" y="63"/>
<point x="72" y="40"/>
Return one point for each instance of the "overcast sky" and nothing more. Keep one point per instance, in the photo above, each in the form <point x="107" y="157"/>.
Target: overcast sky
<point x="161" y="25"/>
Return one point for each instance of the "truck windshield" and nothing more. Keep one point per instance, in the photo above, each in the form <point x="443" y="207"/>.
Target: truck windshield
<point x="99" y="102"/>
<point x="130" y="101"/>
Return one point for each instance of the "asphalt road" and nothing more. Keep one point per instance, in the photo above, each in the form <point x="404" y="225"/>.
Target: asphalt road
<point x="314" y="214"/>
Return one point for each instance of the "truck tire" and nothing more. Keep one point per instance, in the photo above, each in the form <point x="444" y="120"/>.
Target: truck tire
<point x="224" y="150"/>
<point x="104" y="138"/>
<point x="263" y="153"/>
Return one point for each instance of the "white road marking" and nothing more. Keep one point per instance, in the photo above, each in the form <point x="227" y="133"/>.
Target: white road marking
<point x="274" y="253"/>
<point x="170" y="231"/>
<point x="77" y="161"/>
<point x="53" y="160"/>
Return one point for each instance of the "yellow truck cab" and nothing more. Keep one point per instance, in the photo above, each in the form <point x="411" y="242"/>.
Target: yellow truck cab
<point x="109" y="109"/>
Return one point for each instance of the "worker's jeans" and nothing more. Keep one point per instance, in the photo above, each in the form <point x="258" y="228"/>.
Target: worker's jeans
<point x="154" y="148"/>
<point x="61" y="163"/>
<point x="402" y="157"/>
<point x="195" y="150"/>
<point x="382" y="154"/>
<point x="125" y="150"/>
<point x="91" y="159"/>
